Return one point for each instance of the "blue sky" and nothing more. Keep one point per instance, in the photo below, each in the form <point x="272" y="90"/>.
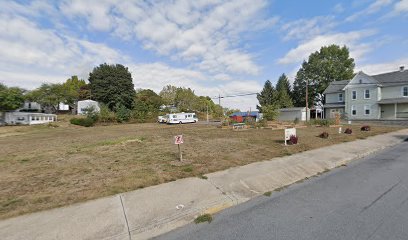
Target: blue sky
<point x="215" y="47"/>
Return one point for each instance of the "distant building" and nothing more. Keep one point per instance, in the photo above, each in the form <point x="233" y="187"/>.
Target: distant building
<point x="26" y="118"/>
<point x="31" y="106"/>
<point x="86" y="104"/>
<point x="291" y="114"/>
<point x="244" y="116"/>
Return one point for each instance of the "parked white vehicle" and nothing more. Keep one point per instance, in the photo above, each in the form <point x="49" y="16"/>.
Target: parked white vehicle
<point x="162" y="119"/>
<point x="182" y="118"/>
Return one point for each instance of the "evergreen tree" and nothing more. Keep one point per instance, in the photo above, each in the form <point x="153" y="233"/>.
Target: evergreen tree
<point x="267" y="96"/>
<point x="112" y="85"/>
<point x="284" y="99"/>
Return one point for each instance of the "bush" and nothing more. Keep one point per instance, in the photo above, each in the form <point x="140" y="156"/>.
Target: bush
<point x="366" y="128"/>
<point x="91" y="113"/>
<point x="85" y="122"/>
<point x="122" y="113"/>
<point x="324" y="135"/>
<point x="348" y="131"/>
<point x="106" y="115"/>
<point x="293" y="139"/>
<point x="296" y="121"/>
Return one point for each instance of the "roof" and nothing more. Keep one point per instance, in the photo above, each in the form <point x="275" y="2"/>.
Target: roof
<point x="393" y="100"/>
<point x="30" y="113"/>
<point x="292" y="109"/>
<point x="334" y="105"/>
<point x="392" y="78"/>
<point x="336" y="86"/>
<point x="243" y="114"/>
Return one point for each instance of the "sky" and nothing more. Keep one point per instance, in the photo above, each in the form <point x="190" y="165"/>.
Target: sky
<point x="214" y="47"/>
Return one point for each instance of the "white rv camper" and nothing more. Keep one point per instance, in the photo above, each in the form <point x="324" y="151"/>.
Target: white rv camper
<point x="182" y="118"/>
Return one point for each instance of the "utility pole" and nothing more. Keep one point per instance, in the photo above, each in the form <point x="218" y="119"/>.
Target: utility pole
<point x="219" y="99"/>
<point x="207" y="113"/>
<point x="307" y="97"/>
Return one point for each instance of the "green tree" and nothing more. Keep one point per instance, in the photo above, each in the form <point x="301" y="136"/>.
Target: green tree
<point x="71" y="91"/>
<point x="270" y="112"/>
<point x="149" y="98"/>
<point x="284" y="99"/>
<point x="112" y="85"/>
<point x="10" y="98"/>
<point x="267" y="96"/>
<point x="168" y="94"/>
<point x="331" y="63"/>
<point x="49" y="95"/>
<point x="185" y="99"/>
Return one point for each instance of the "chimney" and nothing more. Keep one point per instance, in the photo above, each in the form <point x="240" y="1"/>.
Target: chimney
<point x="402" y="68"/>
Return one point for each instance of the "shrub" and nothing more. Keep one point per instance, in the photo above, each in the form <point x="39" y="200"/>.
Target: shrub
<point x="348" y="131"/>
<point x="293" y="139"/>
<point x="365" y="128"/>
<point x="296" y="121"/>
<point x="324" y="135"/>
<point x="91" y="113"/>
<point x="122" y="113"/>
<point x="106" y="115"/>
<point x="85" y="122"/>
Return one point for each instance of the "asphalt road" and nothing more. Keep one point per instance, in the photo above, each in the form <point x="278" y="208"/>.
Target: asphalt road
<point x="367" y="199"/>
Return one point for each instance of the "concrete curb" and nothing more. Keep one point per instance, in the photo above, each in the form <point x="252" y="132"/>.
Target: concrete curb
<point x="155" y="210"/>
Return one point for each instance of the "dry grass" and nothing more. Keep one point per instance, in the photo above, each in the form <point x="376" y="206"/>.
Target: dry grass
<point x="44" y="167"/>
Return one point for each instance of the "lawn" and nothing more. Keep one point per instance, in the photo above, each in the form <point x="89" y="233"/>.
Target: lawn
<point x="44" y="167"/>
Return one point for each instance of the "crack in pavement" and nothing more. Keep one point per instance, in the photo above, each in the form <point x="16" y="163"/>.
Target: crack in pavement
<point x="124" y="213"/>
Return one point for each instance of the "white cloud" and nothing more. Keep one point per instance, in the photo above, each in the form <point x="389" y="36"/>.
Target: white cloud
<point x="308" y="28"/>
<point x="206" y="32"/>
<point x="338" y="8"/>
<point x="377" y="68"/>
<point x="350" y="39"/>
<point x="33" y="51"/>
<point x="157" y="75"/>
<point x="401" y="6"/>
<point x="374" y="7"/>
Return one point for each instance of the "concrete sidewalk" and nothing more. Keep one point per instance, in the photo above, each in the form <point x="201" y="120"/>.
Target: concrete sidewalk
<point x="149" y="212"/>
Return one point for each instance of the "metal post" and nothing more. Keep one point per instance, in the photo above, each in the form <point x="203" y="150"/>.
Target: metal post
<point x="181" y="155"/>
<point x="207" y="113"/>
<point x="307" y="97"/>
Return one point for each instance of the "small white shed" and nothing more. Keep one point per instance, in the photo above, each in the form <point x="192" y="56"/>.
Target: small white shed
<point x="86" y="104"/>
<point x="290" y="114"/>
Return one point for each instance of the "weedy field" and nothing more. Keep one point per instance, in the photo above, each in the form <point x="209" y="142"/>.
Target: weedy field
<point x="43" y="167"/>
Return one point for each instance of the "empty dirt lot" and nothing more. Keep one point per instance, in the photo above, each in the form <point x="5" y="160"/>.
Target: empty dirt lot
<point x="43" y="167"/>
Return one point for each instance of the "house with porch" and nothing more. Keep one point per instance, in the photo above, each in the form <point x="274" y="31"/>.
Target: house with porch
<point x="369" y="97"/>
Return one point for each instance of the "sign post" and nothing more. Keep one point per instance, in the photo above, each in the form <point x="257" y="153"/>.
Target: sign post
<point x="179" y="140"/>
<point x="289" y="132"/>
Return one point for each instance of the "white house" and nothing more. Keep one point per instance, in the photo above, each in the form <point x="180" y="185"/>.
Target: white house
<point x="369" y="97"/>
<point x="27" y="118"/>
<point x="86" y="104"/>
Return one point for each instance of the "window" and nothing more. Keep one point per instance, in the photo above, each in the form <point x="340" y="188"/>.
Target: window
<point x="354" y="95"/>
<point x="340" y="97"/>
<point x="37" y="118"/>
<point x="20" y="119"/>
<point x="367" y="110"/>
<point x="405" y="91"/>
<point x="174" y="116"/>
<point x="360" y="81"/>
<point x="367" y="94"/>
<point x="353" y="110"/>
<point x="32" y="118"/>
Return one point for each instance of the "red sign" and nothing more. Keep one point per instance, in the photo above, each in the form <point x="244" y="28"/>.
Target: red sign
<point x="178" y="139"/>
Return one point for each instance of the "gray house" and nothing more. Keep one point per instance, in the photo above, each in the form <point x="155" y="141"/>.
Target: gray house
<point x="365" y="97"/>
